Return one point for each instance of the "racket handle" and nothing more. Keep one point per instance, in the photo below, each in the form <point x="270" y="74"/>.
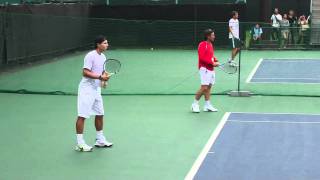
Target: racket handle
<point x="104" y="84"/>
<point x="110" y="74"/>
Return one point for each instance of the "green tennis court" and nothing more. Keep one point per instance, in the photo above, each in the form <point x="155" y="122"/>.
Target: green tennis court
<point x="147" y="113"/>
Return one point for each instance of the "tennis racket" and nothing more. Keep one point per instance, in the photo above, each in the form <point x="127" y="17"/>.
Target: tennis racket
<point x="111" y="67"/>
<point x="228" y="68"/>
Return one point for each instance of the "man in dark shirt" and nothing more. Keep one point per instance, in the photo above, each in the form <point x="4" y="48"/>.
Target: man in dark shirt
<point x="293" y="21"/>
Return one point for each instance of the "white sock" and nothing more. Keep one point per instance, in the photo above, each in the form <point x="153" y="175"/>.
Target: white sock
<point x="196" y="101"/>
<point x="80" y="139"/>
<point x="99" y="134"/>
<point x="208" y="103"/>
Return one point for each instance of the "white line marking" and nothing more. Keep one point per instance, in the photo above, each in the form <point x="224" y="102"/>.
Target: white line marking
<point x="254" y="70"/>
<point x="306" y="83"/>
<point x="273" y="122"/>
<point x="276" y="113"/>
<point x="206" y="148"/>
<point x="290" y="78"/>
<point x="250" y="77"/>
<point x="291" y="59"/>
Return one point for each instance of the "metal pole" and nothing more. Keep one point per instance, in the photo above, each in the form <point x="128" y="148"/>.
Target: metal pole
<point x="238" y="92"/>
<point x="239" y="72"/>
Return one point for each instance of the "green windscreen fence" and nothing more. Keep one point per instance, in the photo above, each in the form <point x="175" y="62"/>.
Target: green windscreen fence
<point x="171" y="2"/>
<point x="31" y="36"/>
<point x="211" y="1"/>
<point x="129" y="2"/>
<point x="2" y="41"/>
<point x="158" y="57"/>
<point x="141" y="2"/>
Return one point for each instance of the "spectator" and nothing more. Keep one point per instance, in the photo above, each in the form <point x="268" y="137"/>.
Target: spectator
<point x="304" y="28"/>
<point x="284" y="24"/>
<point x="275" y="18"/>
<point x="309" y="19"/>
<point x="256" y="33"/>
<point x="293" y="20"/>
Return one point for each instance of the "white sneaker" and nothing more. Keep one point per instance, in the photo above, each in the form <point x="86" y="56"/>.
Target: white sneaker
<point x="209" y="108"/>
<point x="83" y="148"/>
<point x="195" y="108"/>
<point x="233" y="63"/>
<point x="102" y="142"/>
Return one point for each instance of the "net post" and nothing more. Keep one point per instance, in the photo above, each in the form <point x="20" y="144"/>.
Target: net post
<point x="239" y="72"/>
<point x="238" y="92"/>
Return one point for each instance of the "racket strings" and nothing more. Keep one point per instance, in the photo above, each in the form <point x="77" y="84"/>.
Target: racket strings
<point x="112" y="66"/>
<point x="229" y="68"/>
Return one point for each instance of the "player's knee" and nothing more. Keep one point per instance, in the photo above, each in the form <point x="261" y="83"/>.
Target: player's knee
<point x="81" y="118"/>
<point x="205" y="88"/>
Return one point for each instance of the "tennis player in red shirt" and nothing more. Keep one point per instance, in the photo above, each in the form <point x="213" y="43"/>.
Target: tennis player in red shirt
<point x="206" y="65"/>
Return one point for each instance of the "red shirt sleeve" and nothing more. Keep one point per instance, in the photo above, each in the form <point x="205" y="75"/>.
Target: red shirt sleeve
<point x="204" y="55"/>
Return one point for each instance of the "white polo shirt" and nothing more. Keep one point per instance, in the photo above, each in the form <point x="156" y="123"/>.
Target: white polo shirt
<point x="94" y="62"/>
<point x="234" y="25"/>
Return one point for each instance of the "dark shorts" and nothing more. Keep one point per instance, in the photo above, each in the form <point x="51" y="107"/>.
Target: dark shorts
<point x="235" y="43"/>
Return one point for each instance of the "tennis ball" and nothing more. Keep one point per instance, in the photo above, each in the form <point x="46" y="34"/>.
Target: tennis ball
<point x="151" y="49"/>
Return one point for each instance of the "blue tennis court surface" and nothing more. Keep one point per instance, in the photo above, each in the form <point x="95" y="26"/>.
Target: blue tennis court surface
<point x="286" y="71"/>
<point x="252" y="146"/>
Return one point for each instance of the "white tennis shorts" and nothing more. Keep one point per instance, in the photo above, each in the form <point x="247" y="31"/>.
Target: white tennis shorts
<point x="89" y="100"/>
<point x="207" y="77"/>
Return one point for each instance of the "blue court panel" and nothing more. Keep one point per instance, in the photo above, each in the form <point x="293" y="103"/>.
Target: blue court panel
<point x="265" y="147"/>
<point x="288" y="71"/>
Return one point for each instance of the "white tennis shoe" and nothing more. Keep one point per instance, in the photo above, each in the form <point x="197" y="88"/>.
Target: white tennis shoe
<point x="209" y="108"/>
<point x="102" y="142"/>
<point x="83" y="148"/>
<point x="233" y="63"/>
<point x="195" y="108"/>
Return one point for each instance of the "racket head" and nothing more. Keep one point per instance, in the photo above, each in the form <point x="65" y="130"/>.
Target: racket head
<point x="226" y="67"/>
<point x="112" y="66"/>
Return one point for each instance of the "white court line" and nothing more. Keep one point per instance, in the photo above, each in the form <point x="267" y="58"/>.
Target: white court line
<point x="250" y="77"/>
<point x="290" y="78"/>
<point x="270" y="82"/>
<point x="287" y="82"/>
<point x="254" y="70"/>
<point x="303" y="114"/>
<point x="291" y="59"/>
<point x="194" y="169"/>
<point x="273" y="122"/>
<point x="276" y="113"/>
<point x="206" y="150"/>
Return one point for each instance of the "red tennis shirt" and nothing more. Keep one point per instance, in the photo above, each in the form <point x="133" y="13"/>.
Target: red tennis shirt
<point x="206" y="54"/>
